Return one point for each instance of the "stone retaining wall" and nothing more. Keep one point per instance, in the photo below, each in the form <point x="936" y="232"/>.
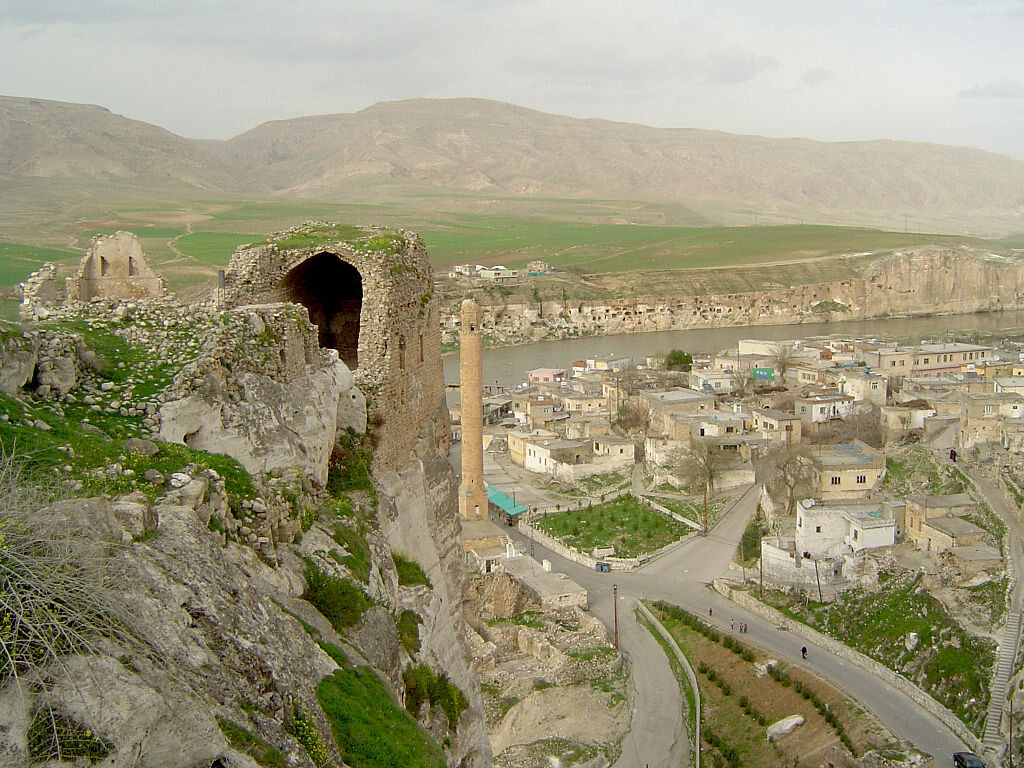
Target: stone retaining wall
<point x="681" y="658"/>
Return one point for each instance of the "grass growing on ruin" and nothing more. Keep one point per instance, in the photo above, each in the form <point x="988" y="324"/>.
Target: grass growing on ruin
<point x="952" y="665"/>
<point x="371" y="731"/>
<point x="627" y="524"/>
<point x="914" y="470"/>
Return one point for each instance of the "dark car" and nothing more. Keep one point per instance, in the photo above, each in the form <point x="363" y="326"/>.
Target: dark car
<point x="967" y="760"/>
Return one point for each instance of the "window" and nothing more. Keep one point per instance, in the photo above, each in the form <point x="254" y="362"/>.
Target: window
<point x="902" y="362"/>
<point x="892" y="363"/>
<point x="855" y="532"/>
<point x="817" y="529"/>
<point x="926" y="361"/>
<point x="986" y="410"/>
<point x="836" y="480"/>
<point x="862" y="479"/>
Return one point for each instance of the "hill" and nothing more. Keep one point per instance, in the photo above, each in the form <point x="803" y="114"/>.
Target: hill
<point x="424" y="157"/>
<point x="482" y="147"/>
<point x="81" y="143"/>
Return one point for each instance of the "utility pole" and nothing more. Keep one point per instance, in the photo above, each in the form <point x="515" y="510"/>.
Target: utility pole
<point x="760" y="562"/>
<point x="615" y="613"/>
<point x="817" y="578"/>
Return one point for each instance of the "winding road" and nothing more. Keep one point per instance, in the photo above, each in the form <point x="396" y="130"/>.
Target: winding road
<point x="657" y="737"/>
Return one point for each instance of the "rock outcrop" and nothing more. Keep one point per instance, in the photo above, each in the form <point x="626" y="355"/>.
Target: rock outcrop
<point x="923" y="282"/>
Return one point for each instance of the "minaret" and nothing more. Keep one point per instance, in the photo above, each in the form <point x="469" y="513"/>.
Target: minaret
<point x="473" y="491"/>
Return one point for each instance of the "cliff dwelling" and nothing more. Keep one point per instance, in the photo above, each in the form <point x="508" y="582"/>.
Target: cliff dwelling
<point x="332" y="292"/>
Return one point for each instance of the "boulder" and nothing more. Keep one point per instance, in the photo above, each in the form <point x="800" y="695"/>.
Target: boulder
<point x="784" y="726"/>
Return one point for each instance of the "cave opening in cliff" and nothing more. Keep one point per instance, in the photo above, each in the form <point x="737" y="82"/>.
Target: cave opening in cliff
<point x="332" y="291"/>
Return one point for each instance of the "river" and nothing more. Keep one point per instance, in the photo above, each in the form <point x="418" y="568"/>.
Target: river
<point x="508" y="365"/>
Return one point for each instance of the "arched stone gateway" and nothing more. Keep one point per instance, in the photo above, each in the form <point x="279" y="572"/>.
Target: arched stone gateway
<point x="370" y="293"/>
<point x="332" y="292"/>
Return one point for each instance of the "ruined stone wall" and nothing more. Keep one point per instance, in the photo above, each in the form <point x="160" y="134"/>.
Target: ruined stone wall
<point x="924" y="282"/>
<point x="114" y="267"/>
<point x="393" y="348"/>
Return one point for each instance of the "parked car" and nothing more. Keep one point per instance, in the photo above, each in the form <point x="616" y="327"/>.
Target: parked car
<point x="967" y="760"/>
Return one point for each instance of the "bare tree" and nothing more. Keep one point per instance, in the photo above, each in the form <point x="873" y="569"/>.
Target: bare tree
<point x="701" y="463"/>
<point x="742" y="383"/>
<point x="790" y="469"/>
<point x="782" y="357"/>
<point x="632" y="417"/>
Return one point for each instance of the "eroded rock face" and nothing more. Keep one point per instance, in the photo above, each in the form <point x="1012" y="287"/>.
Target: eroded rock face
<point x="262" y="392"/>
<point x="926" y="281"/>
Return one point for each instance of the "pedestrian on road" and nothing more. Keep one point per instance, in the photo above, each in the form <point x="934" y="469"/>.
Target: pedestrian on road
<point x="732" y="625"/>
<point x="803" y="652"/>
<point x="709" y="611"/>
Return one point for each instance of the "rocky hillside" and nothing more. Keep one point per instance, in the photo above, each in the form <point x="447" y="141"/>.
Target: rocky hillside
<point x="88" y="144"/>
<point x="163" y="605"/>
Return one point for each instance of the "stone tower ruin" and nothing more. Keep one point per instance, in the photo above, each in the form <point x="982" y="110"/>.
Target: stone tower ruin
<point x="370" y="293"/>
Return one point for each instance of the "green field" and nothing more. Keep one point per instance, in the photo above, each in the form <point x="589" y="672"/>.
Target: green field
<point x="627" y="524"/>
<point x="18" y="261"/>
<point x="213" y="247"/>
<point x="627" y="247"/>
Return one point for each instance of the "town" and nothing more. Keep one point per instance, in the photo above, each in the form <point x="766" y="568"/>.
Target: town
<point x="874" y="467"/>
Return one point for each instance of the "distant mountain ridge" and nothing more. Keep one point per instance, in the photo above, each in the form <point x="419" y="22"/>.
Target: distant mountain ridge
<point x="483" y="147"/>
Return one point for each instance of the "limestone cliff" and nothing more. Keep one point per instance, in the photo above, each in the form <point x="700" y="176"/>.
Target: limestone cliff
<point x="922" y="282"/>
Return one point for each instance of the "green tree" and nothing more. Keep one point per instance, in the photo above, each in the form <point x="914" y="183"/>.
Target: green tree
<point x="678" y="360"/>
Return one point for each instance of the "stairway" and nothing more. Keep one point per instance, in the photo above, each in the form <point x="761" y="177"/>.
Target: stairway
<point x="1001" y="679"/>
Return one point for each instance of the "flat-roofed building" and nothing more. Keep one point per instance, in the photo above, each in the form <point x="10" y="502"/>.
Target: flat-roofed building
<point x="777" y="426"/>
<point x="846" y="470"/>
<point x="518" y="442"/>
<point x="843" y="525"/>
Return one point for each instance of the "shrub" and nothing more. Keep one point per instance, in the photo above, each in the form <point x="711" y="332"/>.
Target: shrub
<point x="52" y="735"/>
<point x="305" y="732"/>
<point x="422" y="685"/>
<point x="409" y="571"/>
<point x="341" y="602"/>
<point x="252" y="745"/>
<point x="408" y="625"/>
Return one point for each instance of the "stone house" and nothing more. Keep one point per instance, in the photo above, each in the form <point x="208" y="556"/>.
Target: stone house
<point x="846" y="470"/>
<point x="519" y="441"/>
<point x="864" y="386"/>
<point x="716" y="381"/>
<point x="582" y="403"/>
<point x="544" y="457"/>
<point x="982" y="416"/>
<point x="548" y="375"/>
<point x="934" y="523"/>
<point x="820" y="409"/>
<point x="661" y="404"/>
<point x="614" y="446"/>
<point x="776" y="426"/>
<point x="1009" y="384"/>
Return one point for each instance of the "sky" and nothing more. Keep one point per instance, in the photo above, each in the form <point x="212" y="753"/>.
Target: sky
<point x="943" y="71"/>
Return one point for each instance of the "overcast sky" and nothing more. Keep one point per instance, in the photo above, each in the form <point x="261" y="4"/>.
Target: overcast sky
<point x="946" y="71"/>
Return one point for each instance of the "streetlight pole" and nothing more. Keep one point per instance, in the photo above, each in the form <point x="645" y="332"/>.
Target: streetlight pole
<point x="615" y="613"/>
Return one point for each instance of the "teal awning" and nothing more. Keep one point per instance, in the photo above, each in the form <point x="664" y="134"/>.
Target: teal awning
<point x="503" y="502"/>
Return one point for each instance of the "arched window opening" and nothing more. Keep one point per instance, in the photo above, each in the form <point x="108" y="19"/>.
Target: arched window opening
<point x="332" y="291"/>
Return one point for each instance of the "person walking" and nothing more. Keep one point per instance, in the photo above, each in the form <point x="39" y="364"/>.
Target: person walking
<point x="803" y="652"/>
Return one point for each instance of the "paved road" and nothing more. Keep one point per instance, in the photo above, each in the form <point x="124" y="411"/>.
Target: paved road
<point x="682" y="577"/>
